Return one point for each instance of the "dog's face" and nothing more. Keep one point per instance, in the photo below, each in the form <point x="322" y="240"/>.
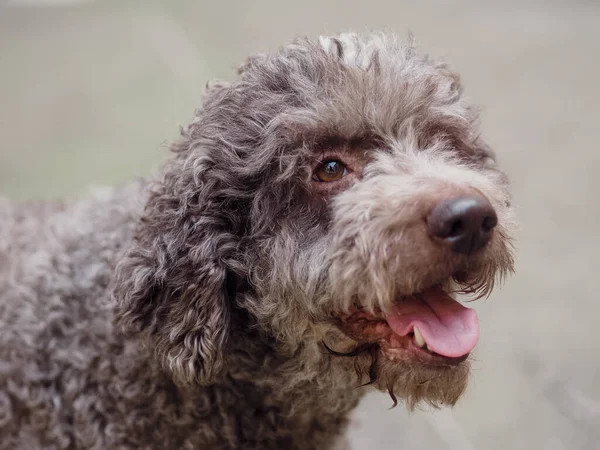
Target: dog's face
<point x="339" y="193"/>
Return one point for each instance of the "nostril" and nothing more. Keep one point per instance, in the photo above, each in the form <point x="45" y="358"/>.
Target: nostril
<point x="489" y="223"/>
<point x="456" y="228"/>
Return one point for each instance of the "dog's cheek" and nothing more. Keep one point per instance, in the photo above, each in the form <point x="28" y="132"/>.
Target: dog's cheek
<point x="287" y="275"/>
<point x="379" y="242"/>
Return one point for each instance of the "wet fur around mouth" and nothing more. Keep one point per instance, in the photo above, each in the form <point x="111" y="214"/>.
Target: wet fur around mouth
<point x="369" y="364"/>
<point x="376" y="342"/>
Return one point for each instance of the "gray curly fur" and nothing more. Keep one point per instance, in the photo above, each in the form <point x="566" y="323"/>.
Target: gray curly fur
<point x="191" y="311"/>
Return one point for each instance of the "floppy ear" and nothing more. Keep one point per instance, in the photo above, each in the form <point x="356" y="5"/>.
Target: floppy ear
<point x="170" y="286"/>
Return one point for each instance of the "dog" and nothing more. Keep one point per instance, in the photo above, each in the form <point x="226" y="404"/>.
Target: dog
<point x="304" y="245"/>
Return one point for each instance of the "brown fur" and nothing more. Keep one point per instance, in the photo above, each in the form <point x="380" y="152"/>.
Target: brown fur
<point x="191" y="311"/>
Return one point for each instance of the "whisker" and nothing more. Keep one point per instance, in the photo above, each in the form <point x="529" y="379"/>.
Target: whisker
<point x="356" y="351"/>
<point x="390" y="390"/>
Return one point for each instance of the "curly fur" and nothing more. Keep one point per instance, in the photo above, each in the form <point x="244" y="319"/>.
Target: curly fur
<point x="191" y="311"/>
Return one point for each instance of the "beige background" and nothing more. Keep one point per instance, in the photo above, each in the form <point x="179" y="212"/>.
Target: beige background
<point x="92" y="91"/>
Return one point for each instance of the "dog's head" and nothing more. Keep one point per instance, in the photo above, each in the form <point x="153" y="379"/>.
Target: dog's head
<point x="337" y="195"/>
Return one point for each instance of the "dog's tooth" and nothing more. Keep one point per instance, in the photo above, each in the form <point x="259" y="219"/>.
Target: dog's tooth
<point x="419" y="340"/>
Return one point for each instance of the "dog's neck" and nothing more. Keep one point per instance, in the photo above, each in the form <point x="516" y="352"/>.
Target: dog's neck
<point x="270" y="399"/>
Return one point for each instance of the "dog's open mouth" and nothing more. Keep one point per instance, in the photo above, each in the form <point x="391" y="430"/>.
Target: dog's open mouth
<point x="429" y="327"/>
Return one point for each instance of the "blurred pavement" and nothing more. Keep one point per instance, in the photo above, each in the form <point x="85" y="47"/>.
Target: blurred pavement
<point x="91" y="92"/>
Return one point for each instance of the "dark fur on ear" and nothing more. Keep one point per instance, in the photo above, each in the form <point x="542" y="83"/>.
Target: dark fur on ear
<point x="171" y="283"/>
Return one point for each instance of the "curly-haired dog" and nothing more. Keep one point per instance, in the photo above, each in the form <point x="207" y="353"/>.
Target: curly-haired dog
<point x="304" y="240"/>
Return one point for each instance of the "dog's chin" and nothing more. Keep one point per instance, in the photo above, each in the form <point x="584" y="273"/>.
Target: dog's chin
<point x="410" y="380"/>
<point x="412" y="364"/>
<point x="421" y="383"/>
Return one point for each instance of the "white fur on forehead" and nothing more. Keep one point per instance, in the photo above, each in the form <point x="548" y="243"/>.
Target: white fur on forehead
<point x="359" y="50"/>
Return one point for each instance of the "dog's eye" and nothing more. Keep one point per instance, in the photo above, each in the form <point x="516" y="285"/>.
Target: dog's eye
<point x="330" y="170"/>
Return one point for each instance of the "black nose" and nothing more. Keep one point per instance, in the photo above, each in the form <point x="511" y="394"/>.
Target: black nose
<point x="466" y="223"/>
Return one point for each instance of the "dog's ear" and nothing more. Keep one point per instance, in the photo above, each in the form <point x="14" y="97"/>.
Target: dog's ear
<point x="170" y="285"/>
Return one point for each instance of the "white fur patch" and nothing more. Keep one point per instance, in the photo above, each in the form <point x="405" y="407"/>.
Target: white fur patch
<point x="355" y="50"/>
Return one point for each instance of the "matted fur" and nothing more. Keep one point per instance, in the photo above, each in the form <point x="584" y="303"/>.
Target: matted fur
<point x="194" y="311"/>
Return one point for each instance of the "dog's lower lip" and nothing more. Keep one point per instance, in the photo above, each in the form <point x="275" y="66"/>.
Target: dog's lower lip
<point x="441" y="359"/>
<point x="421" y="354"/>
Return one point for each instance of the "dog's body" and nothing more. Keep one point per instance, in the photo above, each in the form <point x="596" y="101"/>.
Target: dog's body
<point x="70" y="379"/>
<point x="195" y="311"/>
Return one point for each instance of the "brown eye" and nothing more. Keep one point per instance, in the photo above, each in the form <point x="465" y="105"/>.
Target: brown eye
<point x="329" y="171"/>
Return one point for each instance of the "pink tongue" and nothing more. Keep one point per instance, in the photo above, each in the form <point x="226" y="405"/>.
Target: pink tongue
<point x="449" y="328"/>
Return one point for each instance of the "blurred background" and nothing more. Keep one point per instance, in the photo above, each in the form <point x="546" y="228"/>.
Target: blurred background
<point x="91" y="92"/>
